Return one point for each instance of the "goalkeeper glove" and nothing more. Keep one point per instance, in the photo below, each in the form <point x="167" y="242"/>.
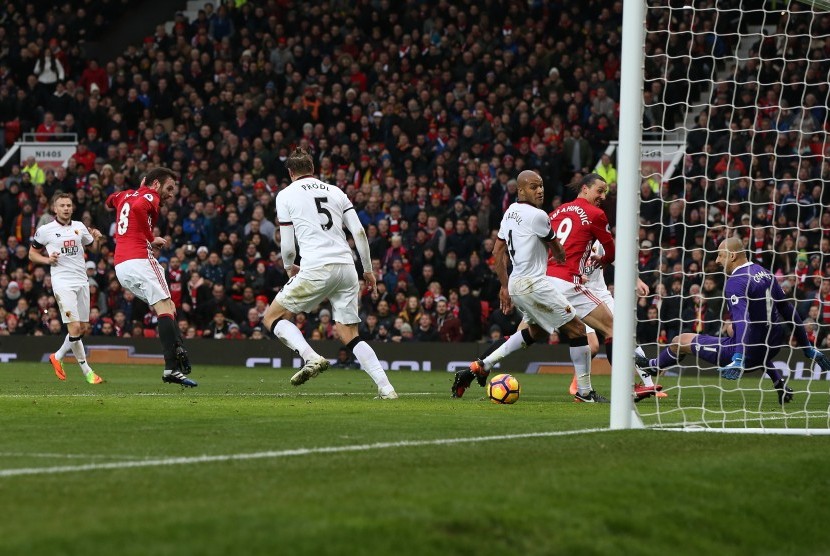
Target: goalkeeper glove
<point x="818" y="357"/>
<point x="735" y="369"/>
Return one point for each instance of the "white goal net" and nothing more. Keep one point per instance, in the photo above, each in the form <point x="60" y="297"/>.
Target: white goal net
<point x="744" y="86"/>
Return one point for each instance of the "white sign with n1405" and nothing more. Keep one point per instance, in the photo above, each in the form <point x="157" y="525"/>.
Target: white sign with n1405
<point x="48" y="154"/>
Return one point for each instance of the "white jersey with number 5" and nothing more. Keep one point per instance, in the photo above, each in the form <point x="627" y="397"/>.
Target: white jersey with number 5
<point x="526" y="229"/>
<point x="315" y="209"/>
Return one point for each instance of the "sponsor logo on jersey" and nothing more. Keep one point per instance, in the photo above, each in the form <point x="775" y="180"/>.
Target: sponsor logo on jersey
<point x="70" y="247"/>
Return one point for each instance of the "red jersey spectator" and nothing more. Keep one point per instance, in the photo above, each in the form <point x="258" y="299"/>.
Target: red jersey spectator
<point x="94" y="77"/>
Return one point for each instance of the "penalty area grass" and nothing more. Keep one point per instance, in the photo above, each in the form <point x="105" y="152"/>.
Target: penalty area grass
<point x="248" y="464"/>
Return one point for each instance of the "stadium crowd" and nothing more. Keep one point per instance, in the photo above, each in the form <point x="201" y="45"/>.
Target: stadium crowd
<point x="423" y="112"/>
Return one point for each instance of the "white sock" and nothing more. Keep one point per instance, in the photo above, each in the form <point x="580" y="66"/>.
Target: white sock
<point x="61" y="353"/>
<point x="291" y="336"/>
<point x="581" y="358"/>
<point x="368" y="360"/>
<point x="513" y="343"/>
<point x="643" y="374"/>
<point x="80" y="354"/>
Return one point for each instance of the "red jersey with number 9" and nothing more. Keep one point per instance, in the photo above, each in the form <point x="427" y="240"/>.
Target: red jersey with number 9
<point x="577" y="224"/>
<point x="136" y="215"/>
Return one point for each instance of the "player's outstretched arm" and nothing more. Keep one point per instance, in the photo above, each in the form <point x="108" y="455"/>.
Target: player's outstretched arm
<point x="602" y="231"/>
<point x="787" y="310"/>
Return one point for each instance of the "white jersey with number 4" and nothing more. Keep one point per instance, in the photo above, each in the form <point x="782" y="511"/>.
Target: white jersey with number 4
<point x="315" y="209"/>
<point x="526" y="230"/>
<point x="68" y="242"/>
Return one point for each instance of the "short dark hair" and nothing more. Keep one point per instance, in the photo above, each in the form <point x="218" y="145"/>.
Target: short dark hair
<point x="588" y="180"/>
<point x="159" y="174"/>
<point x="300" y="162"/>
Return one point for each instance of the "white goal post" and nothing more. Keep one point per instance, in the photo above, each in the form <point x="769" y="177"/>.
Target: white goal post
<point x="743" y="84"/>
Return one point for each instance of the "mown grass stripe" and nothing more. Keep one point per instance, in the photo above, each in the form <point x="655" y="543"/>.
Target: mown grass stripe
<point x="282" y="453"/>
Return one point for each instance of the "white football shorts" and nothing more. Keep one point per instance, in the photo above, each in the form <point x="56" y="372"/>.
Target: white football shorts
<point x="605" y="296"/>
<point x="540" y="301"/>
<point x="73" y="303"/>
<point x="310" y="287"/>
<point x="145" y="278"/>
<point x="582" y="299"/>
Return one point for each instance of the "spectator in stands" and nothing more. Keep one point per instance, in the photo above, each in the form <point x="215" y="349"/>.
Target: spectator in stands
<point x="252" y="87"/>
<point x="46" y="128"/>
<point x="345" y="360"/>
<point x="425" y="331"/>
<point x="35" y="172"/>
<point x="49" y="71"/>
<point x="94" y="78"/>
<point x="218" y="328"/>
<point x="448" y="325"/>
<point x="606" y="170"/>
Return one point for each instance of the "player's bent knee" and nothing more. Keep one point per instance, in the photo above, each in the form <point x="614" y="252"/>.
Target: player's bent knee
<point x="593" y="343"/>
<point x="275" y="313"/>
<point x="574" y="328"/>
<point x="164" y="306"/>
<point x="348" y="334"/>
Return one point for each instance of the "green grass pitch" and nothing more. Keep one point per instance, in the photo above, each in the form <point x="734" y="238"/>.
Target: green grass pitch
<point x="247" y="464"/>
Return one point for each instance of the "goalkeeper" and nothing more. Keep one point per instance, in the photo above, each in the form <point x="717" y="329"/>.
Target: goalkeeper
<point x="759" y="311"/>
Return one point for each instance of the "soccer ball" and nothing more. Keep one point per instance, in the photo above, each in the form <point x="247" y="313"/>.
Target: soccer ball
<point x="503" y="389"/>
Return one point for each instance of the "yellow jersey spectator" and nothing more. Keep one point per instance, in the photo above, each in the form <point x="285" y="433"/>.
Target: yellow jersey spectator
<point x="34" y="171"/>
<point x="606" y="170"/>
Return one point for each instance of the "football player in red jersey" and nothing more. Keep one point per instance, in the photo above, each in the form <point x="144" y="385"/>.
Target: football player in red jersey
<point x="533" y="294"/>
<point x="577" y="225"/>
<point x="137" y="268"/>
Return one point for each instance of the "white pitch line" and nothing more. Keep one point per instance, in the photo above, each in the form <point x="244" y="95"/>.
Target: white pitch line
<point x="207" y="395"/>
<point x="47" y="455"/>
<point x="280" y="453"/>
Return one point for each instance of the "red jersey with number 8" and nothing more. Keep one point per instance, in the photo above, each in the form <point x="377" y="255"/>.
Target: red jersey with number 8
<point x="577" y="224"/>
<point x="136" y="214"/>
